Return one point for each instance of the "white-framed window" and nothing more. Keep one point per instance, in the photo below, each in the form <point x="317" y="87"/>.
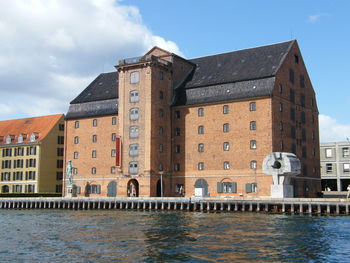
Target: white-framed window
<point x="200" y="112"/>
<point x="226" y="127"/>
<point x="253" y="144"/>
<point x="134" y="114"/>
<point x="226" y="165"/>
<point x="133" y="167"/>
<point x="76" y="124"/>
<point x="345" y="152"/>
<point x="253" y="164"/>
<point x="114" y="137"/>
<point x="225" y="109"/>
<point x="134" y="132"/>
<point x="346" y="167"/>
<point x="134" y="96"/>
<point x="201" y="147"/>
<point x="329" y="153"/>
<point x="201" y="129"/>
<point x="200" y="166"/>
<point x="134" y="77"/>
<point x="252" y="125"/>
<point x="133" y="149"/>
<point x="226" y="146"/>
<point x="252" y="106"/>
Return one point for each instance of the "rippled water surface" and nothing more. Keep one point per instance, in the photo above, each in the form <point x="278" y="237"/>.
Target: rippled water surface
<point x="171" y="236"/>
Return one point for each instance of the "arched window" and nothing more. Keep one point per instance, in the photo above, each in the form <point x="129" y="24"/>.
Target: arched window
<point x="253" y="125"/>
<point x="252" y="106"/>
<point x="201" y="129"/>
<point x="134" y="114"/>
<point x="134" y="96"/>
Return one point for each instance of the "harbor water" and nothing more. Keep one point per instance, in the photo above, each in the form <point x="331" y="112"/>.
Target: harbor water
<point x="171" y="236"/>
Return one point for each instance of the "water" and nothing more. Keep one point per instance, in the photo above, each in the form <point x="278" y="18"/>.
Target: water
<point x="170" y="236"/>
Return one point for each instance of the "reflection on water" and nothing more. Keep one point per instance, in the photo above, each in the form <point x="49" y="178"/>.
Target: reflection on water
<point x="170" y="236"/>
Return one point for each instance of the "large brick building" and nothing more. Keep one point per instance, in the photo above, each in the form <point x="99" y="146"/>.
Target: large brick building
<point x="165" y="125"/>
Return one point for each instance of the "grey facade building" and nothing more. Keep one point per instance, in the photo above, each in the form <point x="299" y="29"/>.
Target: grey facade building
<point x="335" y="166"/>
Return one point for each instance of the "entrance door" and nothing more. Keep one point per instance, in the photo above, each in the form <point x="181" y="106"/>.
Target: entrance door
<point x="201" y="188"/>
<point x="133" y="188"/>
<point x="159" y="188"/>
<point x="112" y="189"/>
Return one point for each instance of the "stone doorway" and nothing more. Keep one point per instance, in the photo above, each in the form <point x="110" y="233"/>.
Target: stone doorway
<point x="133" y="188"/>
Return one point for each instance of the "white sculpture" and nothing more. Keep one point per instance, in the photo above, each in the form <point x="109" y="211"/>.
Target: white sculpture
<point x="282" y="166"/>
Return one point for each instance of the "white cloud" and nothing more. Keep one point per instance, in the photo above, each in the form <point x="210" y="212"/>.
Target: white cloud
<point x="50" y="50"/>
<point x="331" y="130"/>
<point x="316" y="17"/>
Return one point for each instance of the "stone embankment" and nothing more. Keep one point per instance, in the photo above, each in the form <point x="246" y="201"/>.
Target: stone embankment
<point x="312" y="206"/>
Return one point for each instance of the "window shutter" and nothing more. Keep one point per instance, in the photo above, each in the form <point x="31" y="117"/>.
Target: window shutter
<point x="88" y="189"/>
<point x="234" y="187"/>
<point x="98" y="189"/>
<point x="219" y="187"/>
<point x="248" y="188"/>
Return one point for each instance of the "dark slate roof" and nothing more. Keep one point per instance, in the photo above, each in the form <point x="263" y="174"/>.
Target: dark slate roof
<point x="92" y="109"/>
<point x="246" y="64"/>
<point x="226" y="92"/>
<point x="104" y="87"/>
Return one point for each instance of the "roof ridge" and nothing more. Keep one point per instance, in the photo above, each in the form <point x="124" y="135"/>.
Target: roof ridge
<point x="228" y="52"/>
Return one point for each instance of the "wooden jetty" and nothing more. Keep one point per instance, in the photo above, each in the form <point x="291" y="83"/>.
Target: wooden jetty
<point x="311" y="206"/>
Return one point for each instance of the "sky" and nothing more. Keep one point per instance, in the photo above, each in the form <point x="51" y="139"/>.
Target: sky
<point x="50" y="50"/>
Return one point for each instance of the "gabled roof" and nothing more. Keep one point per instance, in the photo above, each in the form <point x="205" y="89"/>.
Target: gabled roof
<point x="104" y="87"/>
<point x="39" y="126"/>
<point x="241" y="65"/>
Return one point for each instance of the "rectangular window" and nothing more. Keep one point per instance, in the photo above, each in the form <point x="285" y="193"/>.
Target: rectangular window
<point x="292" y="132"/>
<point x="226" y="165"/>
<point x="302" y="81"/>
<point x="252" y="106"/>
<point x="59" y="176"/>
<point x="292" y="95"/>
<point x="329" y="153"/>
<point x="291" y="75"/>
<point x="134" y="132"/>
<point x="76" y="154"/>
<point x="94" y="138"/>
<point x="177" y="149"/>
<point x="95" y="189"/>
<point x="292" y="114"/>
<point x="346" y="167"/>
<point x="94" y="123"/>
<point x="134" y="114"/>
<point x="161" y="148"/>
<point x="251" y="188"/>
<point x="200" y="112"/>
<point x="113" y="153"/>
<point x="59" y="163"/>
<point x="329" y="168"/>
<point x="93" y="154"/>
<point x="134" y="96"/>
<point x="60" y="139"/>
<point x="134" y="77"/>
<point x="201" y="166"/>
<point x="201" y="129"/>
<point x="302" y="100"/>
<point x="114" y="137"/>
<point x="177" y="131"/>
<point x="227" y="187"/>
<point x="225" y="109"/>
<point x="200" y="147"/>
<point x="61" y="127"/>
<point x="60" y="151"/>
<point x="133" y="168"/>
<point x="177" y="167"/>
<point x="226" y="146"/>
<point x="76" y="140"/>
<point x="114" y="120"/>
<point x="252" y="125"/>
<point x="76" y="124"/>
<point x="177" y="114"/>
<point x="345" y="152"/>
<point x="226" y="127"/>
<point x="133" y="150"/>
<point x="253" y="144"/>
<point x="113" y="170"/>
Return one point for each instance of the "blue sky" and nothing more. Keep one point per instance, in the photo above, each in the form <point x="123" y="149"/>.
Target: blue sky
<point x="51" y="50"/>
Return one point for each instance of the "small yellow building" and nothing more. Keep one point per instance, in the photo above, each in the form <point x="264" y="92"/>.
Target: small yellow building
<point x="31" y="155"/>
